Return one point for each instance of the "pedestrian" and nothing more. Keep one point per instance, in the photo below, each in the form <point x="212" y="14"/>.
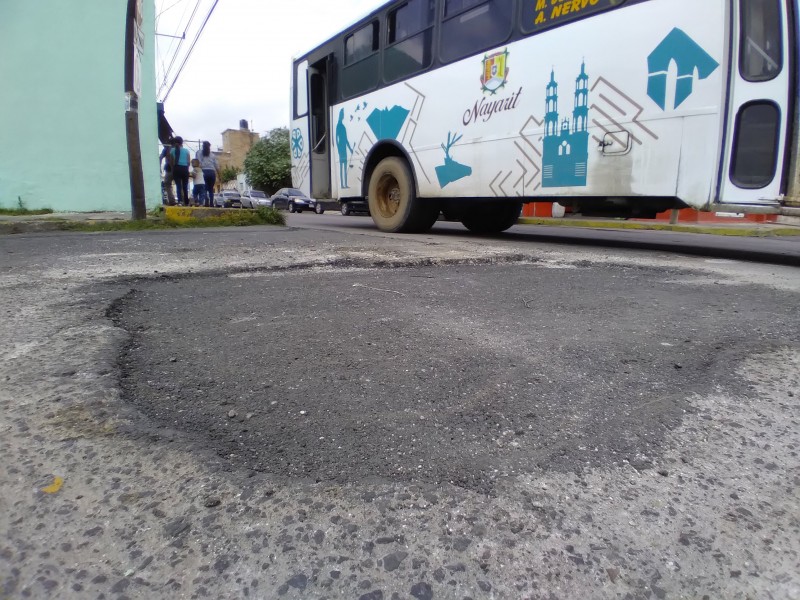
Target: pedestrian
<point x="210" y="166"/>
<point x="180" y="158"/>
<point x="167" y="173"/>
<point x="198" y="184"/>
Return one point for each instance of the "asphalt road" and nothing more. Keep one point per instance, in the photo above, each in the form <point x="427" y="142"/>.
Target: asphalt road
<point x="777" y="250"/>
<point x="336" y="412"/>
<point x="436" y="375"/>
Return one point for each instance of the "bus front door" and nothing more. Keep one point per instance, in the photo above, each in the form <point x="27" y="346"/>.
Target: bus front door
<point x="320" y="130"/>
<point x="759" y="104"/>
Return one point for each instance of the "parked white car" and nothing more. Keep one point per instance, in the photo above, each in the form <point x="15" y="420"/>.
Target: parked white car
<point x="254" y="199"/>
<point x="228" y="199"/>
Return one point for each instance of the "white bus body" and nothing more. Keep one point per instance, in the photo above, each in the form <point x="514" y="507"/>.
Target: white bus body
<point x="632" y="110"/>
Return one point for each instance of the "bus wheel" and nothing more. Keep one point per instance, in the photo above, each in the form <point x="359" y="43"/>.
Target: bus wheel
<point x="393" y="202"/>
<point x="345" y="208"/>
<point x="491" y="218"/>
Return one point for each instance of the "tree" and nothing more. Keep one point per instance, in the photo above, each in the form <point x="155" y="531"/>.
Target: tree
<point x="268" y="165"/>
<point x="228" y="173"/>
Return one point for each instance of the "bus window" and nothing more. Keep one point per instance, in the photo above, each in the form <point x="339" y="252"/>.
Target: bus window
<point x="410" y="30"/>
<point x="318" y="112"/>
<point x="453" y="7"/>
<point x="761" y="47"/>
<point x="755" y="145"/>
<point x="471" y="26"/>
<point x="361" y="44"/>
<point x="362" y="61"/>
<point x="301" y="90"/>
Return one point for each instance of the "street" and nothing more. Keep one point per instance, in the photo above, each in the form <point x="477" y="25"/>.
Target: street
<point x="327" y="411"/>
<point x="777" y="250"/>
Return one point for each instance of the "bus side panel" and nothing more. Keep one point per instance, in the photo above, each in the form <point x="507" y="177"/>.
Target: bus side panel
<point x="299" y="133"/>
<point x="760" y="104"/>
<point x="699" y="156"/>
<point x="793" y="184"/>
<point x="299" y="147"/>
<point x="626" y="103"/>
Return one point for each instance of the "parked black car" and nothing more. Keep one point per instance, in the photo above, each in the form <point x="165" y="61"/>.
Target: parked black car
<point x="293" y="200"/>
<point x="351" y="207"/>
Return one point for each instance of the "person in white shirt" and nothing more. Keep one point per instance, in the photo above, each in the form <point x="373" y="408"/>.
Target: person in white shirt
<point x="210" y="166"/>
<point x="199" y="184"/>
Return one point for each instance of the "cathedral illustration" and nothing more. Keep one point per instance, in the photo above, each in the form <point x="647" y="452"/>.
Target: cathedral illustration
<point x="566" y="144"/>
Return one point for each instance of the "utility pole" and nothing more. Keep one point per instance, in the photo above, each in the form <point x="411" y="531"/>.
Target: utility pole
<point x="133" y="34"/>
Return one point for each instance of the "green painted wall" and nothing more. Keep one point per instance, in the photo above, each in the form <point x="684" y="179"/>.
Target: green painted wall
<point x="62" y="105"/>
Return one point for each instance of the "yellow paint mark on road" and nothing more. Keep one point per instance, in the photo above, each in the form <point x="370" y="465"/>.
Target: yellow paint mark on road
<point x="55" y="486"/>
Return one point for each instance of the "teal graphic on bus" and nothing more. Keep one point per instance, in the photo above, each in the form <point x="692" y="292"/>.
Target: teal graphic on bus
<point x="688" y="56"/>
<point x="566" y="143"/>
<point x="387" y="123"/>
<point x="451" y="170"/>
<point x="343" y="146"/>
<point x="297" y="143"/>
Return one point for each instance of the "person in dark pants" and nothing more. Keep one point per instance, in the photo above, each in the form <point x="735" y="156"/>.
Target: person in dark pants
<point x="167" y="183"/>
<point x="180" y="158"/>
<point x="210" y="166"/>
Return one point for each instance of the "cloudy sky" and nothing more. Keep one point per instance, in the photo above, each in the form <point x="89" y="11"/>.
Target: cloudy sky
<point x="240" y="67"/>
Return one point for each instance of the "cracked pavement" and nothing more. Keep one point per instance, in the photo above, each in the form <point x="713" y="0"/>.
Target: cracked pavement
<point x="108" y="490"/>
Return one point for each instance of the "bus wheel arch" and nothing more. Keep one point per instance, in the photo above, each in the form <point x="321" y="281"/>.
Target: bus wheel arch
<point x="392" y="196"/>
<point x="379" y="151"/>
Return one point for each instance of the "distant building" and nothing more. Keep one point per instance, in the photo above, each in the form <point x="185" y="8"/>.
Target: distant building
<point x="62" y="105"/>
<point x="236" y="143"/>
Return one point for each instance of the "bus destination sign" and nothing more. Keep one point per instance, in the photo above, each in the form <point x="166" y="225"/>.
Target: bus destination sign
<point x="538" y="14"/>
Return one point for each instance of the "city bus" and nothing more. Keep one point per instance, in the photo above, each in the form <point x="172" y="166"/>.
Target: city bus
<point x="471" y="108"/>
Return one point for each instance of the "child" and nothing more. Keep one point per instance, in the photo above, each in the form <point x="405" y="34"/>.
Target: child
<point x="199" y="187"/>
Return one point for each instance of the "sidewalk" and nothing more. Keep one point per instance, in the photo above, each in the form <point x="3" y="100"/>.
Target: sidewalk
<point x="170" y="217"/>
<point x="56" y="221"/>
<point x="789" y="226"/>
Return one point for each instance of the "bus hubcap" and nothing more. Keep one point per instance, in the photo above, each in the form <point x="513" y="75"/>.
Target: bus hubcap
<point x="388" y="196"/>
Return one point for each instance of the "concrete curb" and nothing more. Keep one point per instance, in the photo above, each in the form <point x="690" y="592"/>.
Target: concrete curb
<point x="173" y="217"/>
<point x="182" y="214"/>
<point x="733" y="229"/>
<point x="10" y="227"/>
<point x="196" y="216"/>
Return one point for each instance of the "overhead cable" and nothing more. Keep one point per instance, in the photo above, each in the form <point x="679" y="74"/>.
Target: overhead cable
<point x="191" y="48"/>
<point x="177" y="49"/>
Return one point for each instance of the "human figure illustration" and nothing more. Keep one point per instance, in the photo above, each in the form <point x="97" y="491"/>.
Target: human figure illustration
<point x="342" y="145"/>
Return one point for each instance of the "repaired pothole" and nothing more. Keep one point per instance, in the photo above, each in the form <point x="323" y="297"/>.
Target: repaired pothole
<point x="461" y="374"/>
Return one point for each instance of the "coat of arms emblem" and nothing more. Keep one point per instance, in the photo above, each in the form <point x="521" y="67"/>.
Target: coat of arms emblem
<point x="495" y="71"/>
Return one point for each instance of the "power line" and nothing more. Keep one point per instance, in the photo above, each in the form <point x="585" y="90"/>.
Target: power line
<point x="179" y="21"/>
<point x="178" y="49"/>
<point x="168" y="8"/>
<point x="174" y="55"/>
<point x="191" y="48"/>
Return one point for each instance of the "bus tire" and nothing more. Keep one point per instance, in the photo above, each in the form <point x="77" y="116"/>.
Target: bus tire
<point x="393" y="201"/>
<point x="491" y="217"/>
<point x="345" y="208"/>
